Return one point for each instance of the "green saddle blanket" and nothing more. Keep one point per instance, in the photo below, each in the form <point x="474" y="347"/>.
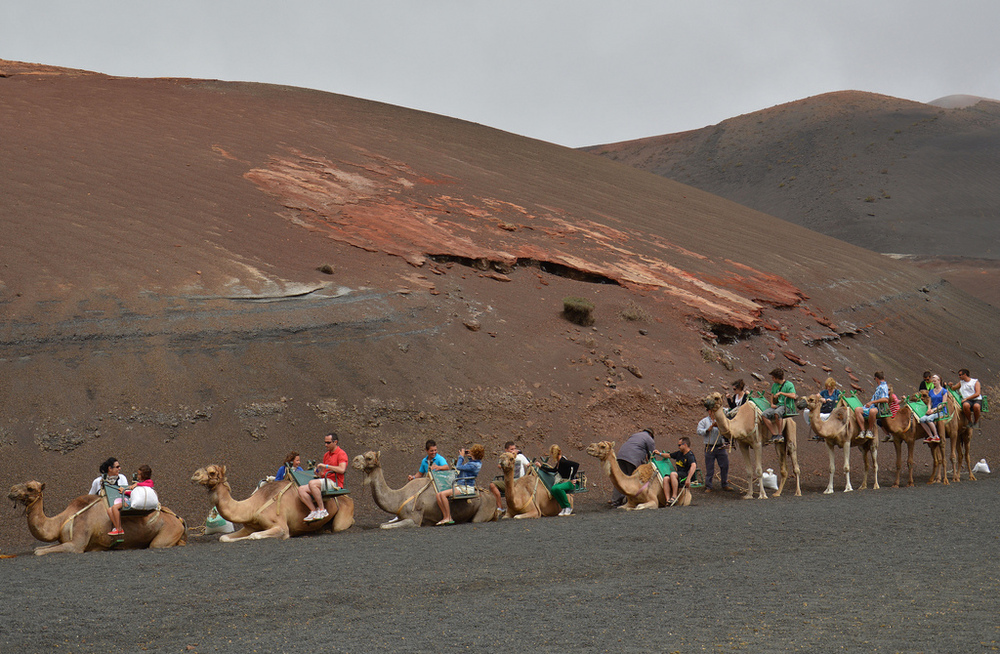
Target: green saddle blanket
<point x="919" y="408"/>
<point x="548" y="478"/>
<point x="663" y="466"/>
<point x="443" y="479"/>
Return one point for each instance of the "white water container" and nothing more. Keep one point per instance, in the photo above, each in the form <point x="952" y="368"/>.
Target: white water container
<point x="981" y="467"/>
<point x="770" y="479"/>
<point x="216" y="524"/>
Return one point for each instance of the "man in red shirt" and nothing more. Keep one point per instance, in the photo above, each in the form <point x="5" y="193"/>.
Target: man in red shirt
<point x="329" y="474"/>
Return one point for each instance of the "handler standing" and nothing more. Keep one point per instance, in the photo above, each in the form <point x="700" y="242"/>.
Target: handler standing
<point x="716" y="451"/>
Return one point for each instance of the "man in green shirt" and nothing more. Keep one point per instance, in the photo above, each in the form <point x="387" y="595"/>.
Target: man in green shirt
<point x="782" y="401"/>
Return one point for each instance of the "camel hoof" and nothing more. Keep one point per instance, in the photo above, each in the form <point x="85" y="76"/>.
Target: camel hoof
<point x="850" y="490"/>
<point x="828" y="491"/>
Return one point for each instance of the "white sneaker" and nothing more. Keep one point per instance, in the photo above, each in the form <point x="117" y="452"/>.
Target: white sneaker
<point x="323" y="513"/>
<point x="566" y="511"/>
<point x="311" y="516"/>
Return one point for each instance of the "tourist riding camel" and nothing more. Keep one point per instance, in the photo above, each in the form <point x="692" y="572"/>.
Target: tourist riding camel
<point x="415" y="504"/>
<point x="329" y="476"/>
<point x="139" y="495"/>
<point x="685" y="466"/>
<point x="831" y="397"/>
<point x="972" y="397"/>
<point x="782" y="403"/>
<point x="527" y="495"/>
<point x="867" y="414"/>
<point x="565" y="471"/>
<point x="839" y="429"/>
<point x="519" y="466"/>
<point x="273" y="511"/>
<point x="83" y="525"/>
<point x="470" y="462"/>
<point x="111" y="471"/>
<point x="747" y="429"/>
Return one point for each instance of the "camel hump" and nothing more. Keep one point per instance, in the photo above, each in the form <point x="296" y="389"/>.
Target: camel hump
<point x="645" y="472"/>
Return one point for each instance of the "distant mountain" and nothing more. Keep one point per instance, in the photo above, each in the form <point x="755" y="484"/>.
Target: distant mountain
<point x="886" y="174"/>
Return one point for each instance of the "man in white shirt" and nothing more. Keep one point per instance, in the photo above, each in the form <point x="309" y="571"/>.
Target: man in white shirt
<point x="521" y="464"/>
<point x="972" y="396"/>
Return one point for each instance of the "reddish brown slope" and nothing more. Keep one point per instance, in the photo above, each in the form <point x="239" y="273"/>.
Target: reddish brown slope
<point x="161" y="298"/>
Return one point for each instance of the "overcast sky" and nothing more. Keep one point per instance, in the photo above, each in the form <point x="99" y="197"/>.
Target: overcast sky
<point x="574" y="72"/>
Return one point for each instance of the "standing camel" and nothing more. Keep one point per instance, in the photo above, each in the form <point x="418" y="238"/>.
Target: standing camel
<point x="415" y="504"/>
<point x="83" y="526"/>
<point x="904" y="427"/>
<point x="748" y="430"/>
<point x="958" y="430"/>
<point x="841" y="430"/>
<point x="273" y="511"/>
<point x="640" y="489"/>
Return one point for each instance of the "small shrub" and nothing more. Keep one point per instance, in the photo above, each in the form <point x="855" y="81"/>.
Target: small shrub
<point x="633" y="312"/>
<point x="578" y="310"/>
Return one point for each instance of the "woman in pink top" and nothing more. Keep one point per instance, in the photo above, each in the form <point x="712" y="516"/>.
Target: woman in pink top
<point x="144" y="479"/>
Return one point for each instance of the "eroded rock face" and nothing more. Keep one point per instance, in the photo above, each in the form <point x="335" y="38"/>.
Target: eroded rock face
<point x="386" y="206"/>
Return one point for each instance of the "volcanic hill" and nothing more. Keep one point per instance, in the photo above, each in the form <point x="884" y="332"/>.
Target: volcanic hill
<point x="197" y="271"/>
<point x="886" y="174"/>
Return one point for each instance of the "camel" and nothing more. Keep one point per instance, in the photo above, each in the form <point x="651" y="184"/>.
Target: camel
<point x="903" y="427"/>
<point x="527" y="497"/>
<point x="641" y="488"/>
<point x="83" y="526"/>
<point x="415" y="503"/>
<point x="748" y="430"/>
<point x="841" y="430"/>
<point x="273" y="511"/>
<point x="959" y="432"/>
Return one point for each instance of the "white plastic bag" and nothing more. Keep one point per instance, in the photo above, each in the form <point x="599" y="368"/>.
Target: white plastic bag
<point x="143" y="498"/>
<point x="981" y="467"/>
<point x="770" y="479"/>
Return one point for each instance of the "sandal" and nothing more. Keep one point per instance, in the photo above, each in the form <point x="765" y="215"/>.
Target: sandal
<point x="445" y="522"/>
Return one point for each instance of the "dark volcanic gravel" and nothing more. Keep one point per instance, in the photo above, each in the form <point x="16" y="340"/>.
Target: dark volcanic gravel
<point x="909" y="570"/>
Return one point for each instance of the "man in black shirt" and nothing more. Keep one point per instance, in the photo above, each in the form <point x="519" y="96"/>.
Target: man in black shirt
<point x="685" y="466"/>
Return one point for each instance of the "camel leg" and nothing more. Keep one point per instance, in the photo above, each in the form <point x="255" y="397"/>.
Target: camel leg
<point x="782" y="449"/>
<point x="966" y="446"/>
<point x="956" y="475"/>
<point x="833" y="468"/>
<point x="910" y="447"/>
<point x="407" y="522"/>
<point x="898" y="444"/>
<point x="69" y="546"/>
<point x="793" y="454"/>
<point x="279" y="530"/>
<point x="745" y="451"/>
<point x="343" y="513"/>
<point x="758" y="469"/>
<point x="847" y="468"/>
<point x="874" y="447"/>
<point x="245" y="532"/>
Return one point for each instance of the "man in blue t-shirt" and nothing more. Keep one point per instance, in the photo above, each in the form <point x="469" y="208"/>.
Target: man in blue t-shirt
<point x="433" y="461"/>
<point x="867" y="415"/>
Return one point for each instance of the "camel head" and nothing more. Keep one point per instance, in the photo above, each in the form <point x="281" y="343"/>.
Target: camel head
<point x="210" y="476"/>
<point x="712" y="401"/>
<point x="367" y="462"/>
<point x="506" y="461"/>
<point x="814" y="402"/>
<point x="27" y="492"/>
<point x="602" y="450"/>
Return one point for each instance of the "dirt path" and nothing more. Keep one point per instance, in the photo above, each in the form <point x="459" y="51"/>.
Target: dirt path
<point x="870" y="571"/>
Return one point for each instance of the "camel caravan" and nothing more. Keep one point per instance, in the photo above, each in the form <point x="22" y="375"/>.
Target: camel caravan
<point x="116" y="514"/>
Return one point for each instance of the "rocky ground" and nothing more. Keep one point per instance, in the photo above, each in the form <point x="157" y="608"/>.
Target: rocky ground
<point x="882" y="571"/>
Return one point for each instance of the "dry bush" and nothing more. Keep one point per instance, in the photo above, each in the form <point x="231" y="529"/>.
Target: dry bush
<point x="578" y="310"/>
<point x="633" y="312"/>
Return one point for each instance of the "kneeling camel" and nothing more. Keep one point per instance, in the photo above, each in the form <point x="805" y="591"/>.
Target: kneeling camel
<point x="83" y="526"/>
<point x="273" y="511"/>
